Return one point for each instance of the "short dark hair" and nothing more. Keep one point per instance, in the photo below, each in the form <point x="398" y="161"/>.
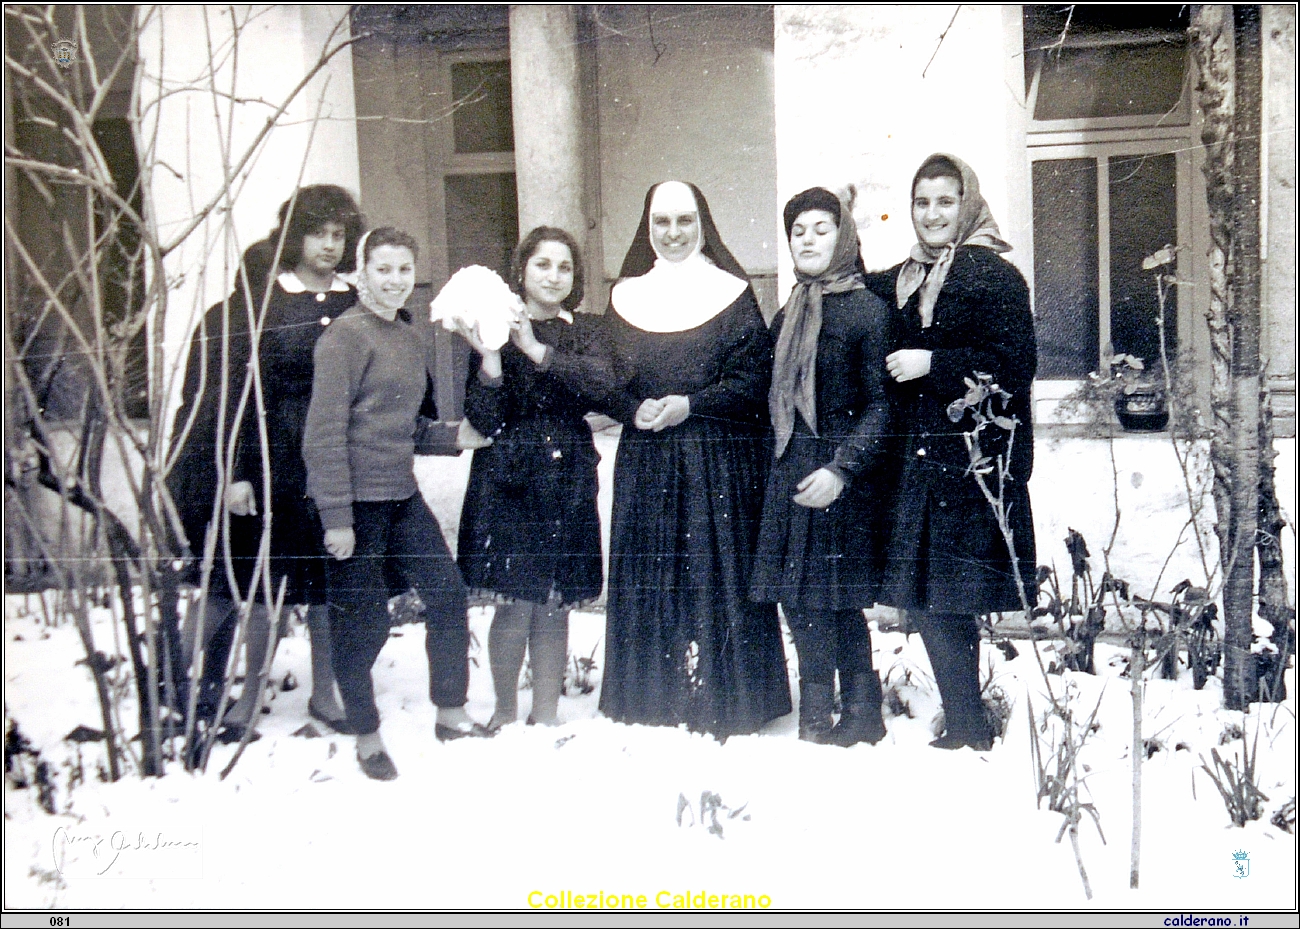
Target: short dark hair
<point x="814" y="198"/>
<point x="307" y="212"/>
<point x="387" y="235"/>
<point x="938" y="166"/>
<point x="528" y="246"/>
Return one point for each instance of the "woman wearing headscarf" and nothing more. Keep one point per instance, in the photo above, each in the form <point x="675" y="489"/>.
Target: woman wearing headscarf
<point x="692" y="358"/>
<point x="830" y="409"/>
<point x="961" y="310"/>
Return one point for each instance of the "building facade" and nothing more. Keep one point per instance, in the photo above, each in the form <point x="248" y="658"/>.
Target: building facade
<point x="468" y="124"/>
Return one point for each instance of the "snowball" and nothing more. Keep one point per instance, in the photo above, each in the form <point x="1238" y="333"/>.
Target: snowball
<point x="477" y="296"/>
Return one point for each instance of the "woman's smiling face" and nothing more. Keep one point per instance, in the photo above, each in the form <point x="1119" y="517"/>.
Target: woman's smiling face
<point x="676" y="233"/>
<point x="391" y="272"/>
<point x="935" y="205"/>
<point x="548" y="275"/>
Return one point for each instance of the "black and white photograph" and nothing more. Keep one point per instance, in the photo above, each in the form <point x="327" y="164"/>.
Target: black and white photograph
<point x="686" y="458"/>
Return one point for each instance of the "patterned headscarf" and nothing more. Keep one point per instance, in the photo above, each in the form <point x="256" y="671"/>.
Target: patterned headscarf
<point x="926" y="268"/>
<point x="794" y="372"/>
<point x="365" y="296"/>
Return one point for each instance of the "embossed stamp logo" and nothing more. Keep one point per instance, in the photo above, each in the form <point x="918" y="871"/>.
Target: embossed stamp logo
<point x="1240" y="864"/>
<point x="65" y="52"/>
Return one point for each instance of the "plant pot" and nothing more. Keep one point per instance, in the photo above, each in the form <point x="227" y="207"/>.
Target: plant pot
<point x="1142" y="411"/>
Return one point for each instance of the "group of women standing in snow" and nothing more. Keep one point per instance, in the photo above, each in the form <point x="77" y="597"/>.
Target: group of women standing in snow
<point x="812" y="465"/>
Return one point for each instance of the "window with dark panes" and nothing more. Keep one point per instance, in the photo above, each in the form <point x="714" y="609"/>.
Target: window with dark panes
<point x="1109" y="143"/>
<point x="482" y="120"/>
<point x="435" y="110"/>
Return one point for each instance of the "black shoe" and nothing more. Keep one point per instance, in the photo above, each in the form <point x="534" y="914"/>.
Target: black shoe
<point x="451" y="733"/>
<point x="861" y="720"/>
<point x="234" y="732"/>
<point x="341" y="726"/>
<point x="378" y="766"/>
<point x="952" y="742"/>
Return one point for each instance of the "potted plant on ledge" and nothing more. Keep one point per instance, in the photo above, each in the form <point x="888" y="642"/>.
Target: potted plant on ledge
<point x="1140" y="401"/>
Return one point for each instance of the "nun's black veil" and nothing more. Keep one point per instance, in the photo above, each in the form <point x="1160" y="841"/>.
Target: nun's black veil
<point x="641" y="255"/>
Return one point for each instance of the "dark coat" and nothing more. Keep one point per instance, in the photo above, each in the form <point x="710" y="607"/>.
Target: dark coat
<point x="294" y="321"/>
<point x="529" y="523"/>
<point x="292" y="324"/>
<point x="827" y="559"/>
<point x="946" y="552"/>
<point x="200" y="437"/>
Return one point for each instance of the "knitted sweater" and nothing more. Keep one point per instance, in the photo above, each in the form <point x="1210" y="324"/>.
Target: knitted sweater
<point x="370" y="380"/>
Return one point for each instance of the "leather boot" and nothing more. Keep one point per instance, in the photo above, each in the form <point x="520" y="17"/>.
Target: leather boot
<point x="861" y="720"/>
<point x="816" y="703"/>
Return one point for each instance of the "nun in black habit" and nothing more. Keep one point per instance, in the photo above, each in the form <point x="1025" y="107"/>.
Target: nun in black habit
<point x="692" y="360"/>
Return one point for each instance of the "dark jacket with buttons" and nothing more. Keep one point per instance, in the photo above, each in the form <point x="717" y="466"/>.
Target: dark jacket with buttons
<point x="292" y="323"/>
<point x="946" y="551"/>
<point x="529" y="523"/>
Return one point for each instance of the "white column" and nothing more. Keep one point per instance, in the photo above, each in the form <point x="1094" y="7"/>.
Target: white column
<point x="547" y="118"/>
<point x="211" y="77"/>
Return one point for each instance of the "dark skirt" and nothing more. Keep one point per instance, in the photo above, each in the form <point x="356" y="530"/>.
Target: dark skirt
<point x="684" y="643"/>
<point x="814" y="560"/>
<point x="530" y="524"/>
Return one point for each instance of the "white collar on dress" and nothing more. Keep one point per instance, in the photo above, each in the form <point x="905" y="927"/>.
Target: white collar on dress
<point x="674" y="296"/>
<point x="291" y="284"/>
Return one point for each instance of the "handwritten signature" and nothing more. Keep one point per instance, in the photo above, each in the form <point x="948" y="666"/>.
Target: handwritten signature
<point x="108" y="849"/>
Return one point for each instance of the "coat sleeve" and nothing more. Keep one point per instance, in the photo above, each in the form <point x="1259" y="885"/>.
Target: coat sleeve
<point x="335" y="384"/>
<point x="487" y="400"/>
<point x="248" y="449"/>
<point x="1003" y="345"/>
<point x="617" y="399"/>
<point x="588" y="368"/>
<point x="863" y="447"/>
<point x="193" y="479"/>
<point x="740" y="391"/>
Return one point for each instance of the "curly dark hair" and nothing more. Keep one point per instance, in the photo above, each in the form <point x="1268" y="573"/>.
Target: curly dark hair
<point x="528" y="247"/>
<point x="387" y="235"/>
<point x="307" y="212"/>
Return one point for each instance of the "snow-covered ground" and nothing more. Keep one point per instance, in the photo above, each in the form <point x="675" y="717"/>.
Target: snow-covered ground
<point x="592" y="807"/>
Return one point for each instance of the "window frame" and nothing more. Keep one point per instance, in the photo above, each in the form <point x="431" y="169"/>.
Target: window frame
<point x="441" y="162"/>
<point x="1101" y="138"/>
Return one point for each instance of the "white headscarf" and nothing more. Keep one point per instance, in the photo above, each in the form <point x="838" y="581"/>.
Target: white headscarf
<point x="674" y="296"/>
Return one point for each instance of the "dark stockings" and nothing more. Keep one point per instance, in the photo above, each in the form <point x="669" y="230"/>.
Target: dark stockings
<point x="952" y="642"/>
